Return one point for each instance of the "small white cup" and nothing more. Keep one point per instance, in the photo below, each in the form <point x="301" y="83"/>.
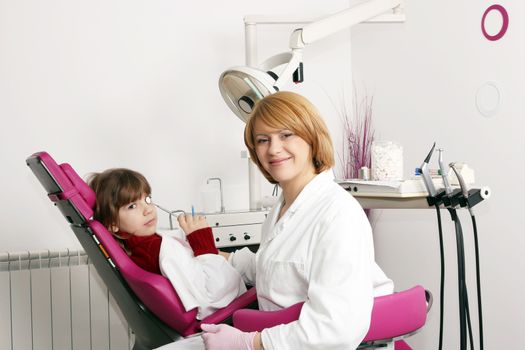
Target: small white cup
<point x="211" y="199"/>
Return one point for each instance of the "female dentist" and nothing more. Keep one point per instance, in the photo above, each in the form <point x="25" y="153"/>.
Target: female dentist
<point x="316" y="244"/>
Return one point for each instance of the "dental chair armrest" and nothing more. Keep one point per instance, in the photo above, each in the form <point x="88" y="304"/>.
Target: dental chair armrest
<point x="255" y="320"/>
<point x="243" y="301"/>
<point x="393" y="315"/>
<point x="398" y="314"/>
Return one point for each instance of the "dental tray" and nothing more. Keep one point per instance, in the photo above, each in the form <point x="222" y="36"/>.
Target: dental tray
<point x="403" y="188"/>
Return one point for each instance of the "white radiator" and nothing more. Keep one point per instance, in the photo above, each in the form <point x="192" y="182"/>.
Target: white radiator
<point x="56" y="300"/>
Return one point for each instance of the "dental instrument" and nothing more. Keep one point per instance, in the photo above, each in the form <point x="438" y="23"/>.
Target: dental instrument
<point x="171" y="213"/>
<point x="444" y="172"/>
<point x="192" y="211"/>
<point x="425" y="173"/>
<point x="462" y="184"/>
<point x="450" y="198"/>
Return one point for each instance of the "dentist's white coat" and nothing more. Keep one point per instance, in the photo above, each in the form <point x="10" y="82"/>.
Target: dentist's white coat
<point x="321" y="252"/>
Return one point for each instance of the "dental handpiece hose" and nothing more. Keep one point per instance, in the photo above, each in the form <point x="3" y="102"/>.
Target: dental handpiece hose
<point x="462" y="287"/>
<point x="464" y="312"/>
<point x="448" y="198"/>
<point x="432" y="200"/>
<point x="478" y="282"/>
<point x="442" y="279"/>
<point x="451" y="200"/>
<point x="465" y="193"/>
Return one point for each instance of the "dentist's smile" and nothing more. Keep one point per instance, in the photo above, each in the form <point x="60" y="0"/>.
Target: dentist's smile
<point x="276" y="162"/>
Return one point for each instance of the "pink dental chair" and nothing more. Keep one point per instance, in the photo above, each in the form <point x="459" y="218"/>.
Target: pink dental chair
<point x="152" y="307"/>
<point x="148" y="301"/>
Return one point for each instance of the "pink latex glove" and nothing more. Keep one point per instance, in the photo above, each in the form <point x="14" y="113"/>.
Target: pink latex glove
<point x="224" y="337"/>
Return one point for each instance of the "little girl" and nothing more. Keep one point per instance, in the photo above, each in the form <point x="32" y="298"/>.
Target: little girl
<point x="189" y="259"/>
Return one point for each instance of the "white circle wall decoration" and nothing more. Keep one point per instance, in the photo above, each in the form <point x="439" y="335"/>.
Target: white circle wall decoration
<point x="488" y="99"/>
<point x="495" y="22"/>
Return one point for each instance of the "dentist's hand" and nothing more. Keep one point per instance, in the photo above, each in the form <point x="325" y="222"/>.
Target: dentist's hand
<point x="189" y="223"/>
<point x="224" y="337"/>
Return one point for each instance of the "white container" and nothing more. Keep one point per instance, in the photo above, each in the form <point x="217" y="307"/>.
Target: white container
<point x="387" y="161"/>
<point x="211" y="198"/>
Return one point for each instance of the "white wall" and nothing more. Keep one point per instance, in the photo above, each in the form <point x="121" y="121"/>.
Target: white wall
<point x="104" y="84"/>
<point x="424" y="75"/>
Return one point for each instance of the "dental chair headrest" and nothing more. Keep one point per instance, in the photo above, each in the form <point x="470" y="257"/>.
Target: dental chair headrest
<point x="82" y="187"/>
<point x="63" y="186"/>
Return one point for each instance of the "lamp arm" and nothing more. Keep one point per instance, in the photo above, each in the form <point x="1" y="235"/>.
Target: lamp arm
<point x="339" y="21"/>
<point x="275" y="61"/>
<point x="286" y="74"/>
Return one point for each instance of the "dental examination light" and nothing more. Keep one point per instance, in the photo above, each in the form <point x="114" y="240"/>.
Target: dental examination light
<point x="242" y="87"/>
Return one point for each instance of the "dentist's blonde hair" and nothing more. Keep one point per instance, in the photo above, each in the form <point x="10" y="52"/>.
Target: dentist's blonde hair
<point x="291" y="111"/>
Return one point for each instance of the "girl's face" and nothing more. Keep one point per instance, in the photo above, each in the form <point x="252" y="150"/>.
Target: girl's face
<point x="284" y="155"/>
<point x="138" y="218"/>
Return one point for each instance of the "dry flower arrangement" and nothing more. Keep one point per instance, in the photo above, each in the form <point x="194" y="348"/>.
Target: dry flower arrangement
<point x="358" y="136"/>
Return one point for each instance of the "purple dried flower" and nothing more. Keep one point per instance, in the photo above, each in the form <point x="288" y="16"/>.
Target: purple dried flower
<point x="358" y="136"/>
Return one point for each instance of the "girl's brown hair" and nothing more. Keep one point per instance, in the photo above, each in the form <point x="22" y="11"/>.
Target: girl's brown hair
<point x="115" y="188"/>
<point x="291" y="111"/>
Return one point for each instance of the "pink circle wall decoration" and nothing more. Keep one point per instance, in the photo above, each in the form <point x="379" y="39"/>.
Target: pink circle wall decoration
<point x="504" y="25"/>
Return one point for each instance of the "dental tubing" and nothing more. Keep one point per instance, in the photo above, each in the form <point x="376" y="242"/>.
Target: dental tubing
<point x="452" y="200"/>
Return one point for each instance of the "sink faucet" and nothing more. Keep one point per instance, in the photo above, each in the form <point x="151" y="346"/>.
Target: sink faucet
<point x="220" y="190"/>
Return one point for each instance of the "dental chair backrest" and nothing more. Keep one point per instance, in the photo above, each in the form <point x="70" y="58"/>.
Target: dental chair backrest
<point x="135" y="290"/>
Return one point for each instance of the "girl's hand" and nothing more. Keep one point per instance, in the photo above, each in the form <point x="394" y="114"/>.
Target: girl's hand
<point x="189" y="223"/>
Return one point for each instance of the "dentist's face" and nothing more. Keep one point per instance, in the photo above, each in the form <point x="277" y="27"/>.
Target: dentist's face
<point x="138" y="218"/>
<point x="284" y="155"/>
